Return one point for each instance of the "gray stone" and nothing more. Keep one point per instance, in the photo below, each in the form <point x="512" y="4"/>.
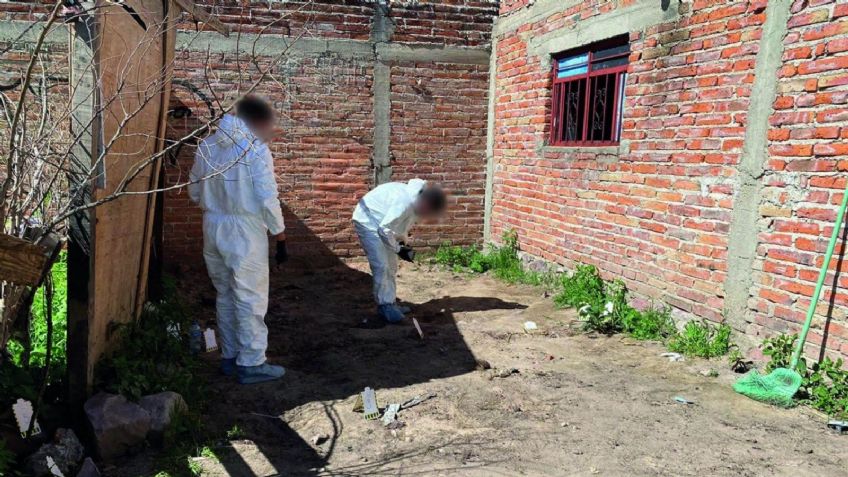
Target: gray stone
<point x="162" y="407"/>
<point x="88" y="469"/>
<point x="66" y="451"/>
<point x="119" y="426"/>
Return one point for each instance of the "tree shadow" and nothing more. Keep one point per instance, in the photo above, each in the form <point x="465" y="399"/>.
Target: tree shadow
<point x="317" y="305"/>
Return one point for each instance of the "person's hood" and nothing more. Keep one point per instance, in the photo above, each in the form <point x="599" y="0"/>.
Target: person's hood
<point x="232" y="130"/>
<point x="415" y="186"/>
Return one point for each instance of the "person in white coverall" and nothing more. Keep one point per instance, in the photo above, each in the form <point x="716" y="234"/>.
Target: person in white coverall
<point x="382" y="220"/>
<point x="233" y="182"/>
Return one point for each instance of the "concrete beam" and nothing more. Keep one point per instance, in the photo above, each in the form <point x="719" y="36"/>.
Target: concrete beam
<point x="537" y="11"/>
<point x="275" y="45"/>
<point x="388" y="52"/>
<point x="637" y="17"/>
<point x="743" y="237"/>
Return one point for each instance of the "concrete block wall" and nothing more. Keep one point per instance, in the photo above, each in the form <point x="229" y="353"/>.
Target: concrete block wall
<point x="721" y="196"/>
<point x="367" y="94"/>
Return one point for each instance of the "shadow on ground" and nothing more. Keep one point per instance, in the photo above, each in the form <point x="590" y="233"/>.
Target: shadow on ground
<point x="317" y="305"/>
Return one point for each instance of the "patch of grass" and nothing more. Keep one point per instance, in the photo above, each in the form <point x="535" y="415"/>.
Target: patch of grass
<point x="702" y="339"/>
<point x="605" y="309"/>
<point x="602" y="305"/>
<point x="38" y="325"/>
<point x="501" y="261"/>
<point x="235" y="433"/>
<point x="824" y="385"/>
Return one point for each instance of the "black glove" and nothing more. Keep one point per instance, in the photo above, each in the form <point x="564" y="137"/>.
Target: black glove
<point x="282" y="255"/>
<point x="406" y="253"/>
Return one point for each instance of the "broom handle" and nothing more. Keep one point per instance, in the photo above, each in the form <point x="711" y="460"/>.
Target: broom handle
<point x="834" y="237"/>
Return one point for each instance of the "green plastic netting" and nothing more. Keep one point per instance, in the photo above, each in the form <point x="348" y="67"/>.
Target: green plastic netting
<point x="777" y="387"/>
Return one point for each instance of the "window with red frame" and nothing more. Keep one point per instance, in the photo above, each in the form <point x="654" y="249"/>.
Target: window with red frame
<point x="588" y="94"/>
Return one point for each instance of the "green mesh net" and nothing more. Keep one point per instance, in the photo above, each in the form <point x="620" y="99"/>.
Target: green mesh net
<point x="777" y="387"/>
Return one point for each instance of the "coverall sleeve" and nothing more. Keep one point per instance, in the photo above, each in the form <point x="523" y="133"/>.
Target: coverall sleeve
<point x="390" y="225"/>
<point x="265" y="188"/>
<point x="196" y="174"/>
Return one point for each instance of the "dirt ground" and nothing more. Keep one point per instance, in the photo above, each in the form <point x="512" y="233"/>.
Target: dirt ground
<point x="558" y="402"/>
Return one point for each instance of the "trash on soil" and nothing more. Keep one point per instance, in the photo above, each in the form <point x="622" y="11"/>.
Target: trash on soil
<point x="503" y="373"/>
<point x="319" y="439"/>
<point x="710" y="373"/>
<point x="683" y="400"/>
<point x="673" y="356"/>
<point x="209" y="340"/>
<point x="530" y="326"/>
<point x="418" y="328"/>
<point x="390" y="414"/>
<point x="23" y="415"/>
<point x="840" y="426"/>
<point x="369" y="404"/>
<point x="417" y="400"/>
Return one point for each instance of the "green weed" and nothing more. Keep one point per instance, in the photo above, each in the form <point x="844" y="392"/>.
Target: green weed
<point x="151" y="355"/>
<point x="702" y="339"/>
<point x="501" y="261"/>
<point x="38" y="325"/>
<point x="605" y="309"/>
<point x="824" y="385"/>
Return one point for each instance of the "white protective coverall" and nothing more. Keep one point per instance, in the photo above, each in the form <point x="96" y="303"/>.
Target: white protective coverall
<point x="233" y="182"/>
<point x="382" y="219"/>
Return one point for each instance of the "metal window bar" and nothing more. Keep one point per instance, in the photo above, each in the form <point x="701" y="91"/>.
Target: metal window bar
<point x="581" y="84"/>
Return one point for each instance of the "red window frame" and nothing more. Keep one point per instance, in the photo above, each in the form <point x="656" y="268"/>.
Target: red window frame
<point x="561" y="88"/>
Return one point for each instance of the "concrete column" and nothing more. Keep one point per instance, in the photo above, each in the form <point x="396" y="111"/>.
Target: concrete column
<point x="743" y="240"/>
<point x="490" y="143"/>
<point x="381" y="33"/>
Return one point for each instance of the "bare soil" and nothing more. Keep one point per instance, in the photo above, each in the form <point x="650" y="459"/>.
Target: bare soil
<point x="557" y="401"/>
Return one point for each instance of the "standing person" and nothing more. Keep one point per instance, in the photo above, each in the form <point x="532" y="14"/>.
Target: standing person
<point x="382" y="220"/>
<point x="233" y="182"/>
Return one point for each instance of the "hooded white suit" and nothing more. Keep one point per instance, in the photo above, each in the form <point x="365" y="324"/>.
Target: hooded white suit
<point x="233" y="182"/>
<point x="382" y="219"/>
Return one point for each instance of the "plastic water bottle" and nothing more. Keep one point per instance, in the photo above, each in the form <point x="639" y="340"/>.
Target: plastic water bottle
<point x="195" y="338"/>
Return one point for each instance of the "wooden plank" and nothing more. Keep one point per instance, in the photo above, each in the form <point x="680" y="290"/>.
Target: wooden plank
<point x="169" y="34"/>
<point x="21" y="262"/>
<point x="130" y="63"/>
<point x="202" y="15"/>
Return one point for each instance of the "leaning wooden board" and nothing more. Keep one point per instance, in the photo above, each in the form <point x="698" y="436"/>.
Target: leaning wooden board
<point x="21" y="262"/>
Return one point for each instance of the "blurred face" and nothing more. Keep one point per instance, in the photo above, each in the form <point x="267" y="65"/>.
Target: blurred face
<point x="424" y="211"/>
<point x="264" y="131"/>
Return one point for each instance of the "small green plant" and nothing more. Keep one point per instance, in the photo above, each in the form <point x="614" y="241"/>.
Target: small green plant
<point x="737" y="361"/>
<point x="38" y="325"/>
<point x="502" y="261"/>
<point x="152" y="354"/>
<point x="651" y="324"/>
<point x="702" y="339"/>
<point x="826" y="387"/>
<point x="235" y="433"/>
<point x="604" y="307"/>
<point x="779" y="349"/>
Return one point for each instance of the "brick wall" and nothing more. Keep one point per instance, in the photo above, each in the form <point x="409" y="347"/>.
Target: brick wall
<point x="324" y="151"/>
<point x="657" y="211"/>
<point x="805" y="179"/>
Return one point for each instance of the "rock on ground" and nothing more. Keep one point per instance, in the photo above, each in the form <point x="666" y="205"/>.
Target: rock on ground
<point x="119" y="425"/>
<point x="162" y="408"/>
<point x="66" y="451"/>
